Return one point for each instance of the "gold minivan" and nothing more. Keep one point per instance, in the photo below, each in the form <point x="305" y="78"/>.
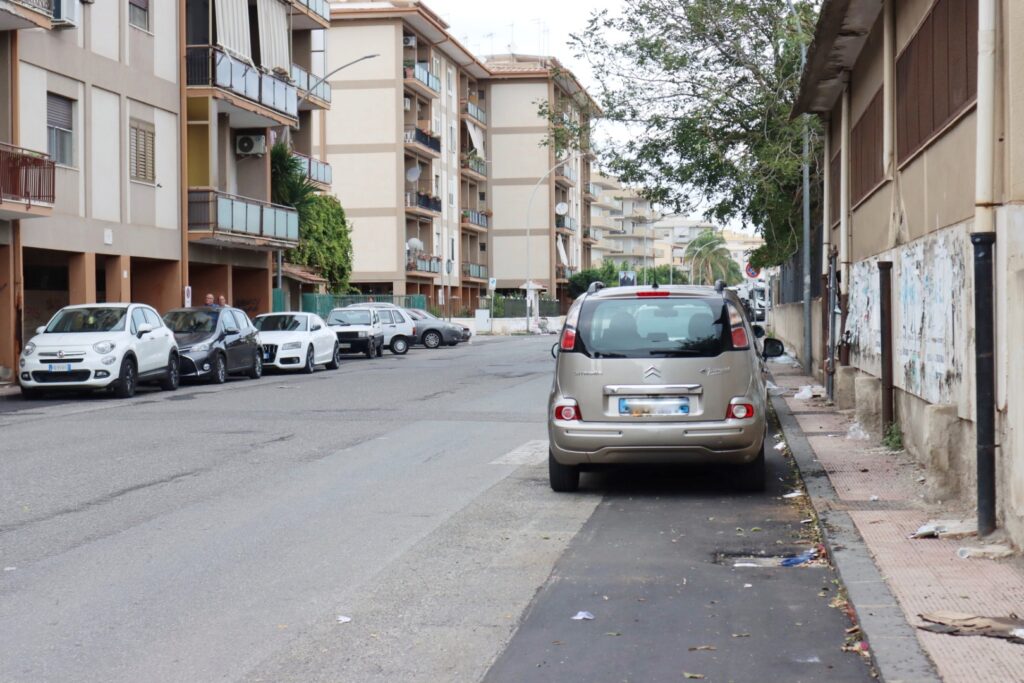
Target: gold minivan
<point x="659" y="374"/>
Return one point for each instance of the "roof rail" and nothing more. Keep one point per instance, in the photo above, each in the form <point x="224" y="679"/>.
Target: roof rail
<point x="595" y="286"/>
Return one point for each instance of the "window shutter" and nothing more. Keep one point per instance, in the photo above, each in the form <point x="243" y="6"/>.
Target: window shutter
<point x="141" y="4"/>
<point x="142" y="151"/>
<point x="58" y="111"/>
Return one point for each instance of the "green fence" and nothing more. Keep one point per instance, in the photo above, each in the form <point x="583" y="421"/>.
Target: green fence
<point x="278" y="301"/>
<point x="515" y="307"/>
<point x="321" y="304"/>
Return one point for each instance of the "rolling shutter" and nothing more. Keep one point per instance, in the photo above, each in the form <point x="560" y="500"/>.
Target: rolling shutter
<point x="59" y="112"/>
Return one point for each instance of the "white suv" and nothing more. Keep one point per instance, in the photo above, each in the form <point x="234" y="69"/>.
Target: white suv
<point x="100" y="346"/>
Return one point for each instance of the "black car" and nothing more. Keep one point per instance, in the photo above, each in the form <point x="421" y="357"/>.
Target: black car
<point x="215" y="342"/>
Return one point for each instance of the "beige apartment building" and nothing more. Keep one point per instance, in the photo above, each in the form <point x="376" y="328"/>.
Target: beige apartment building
<point x="90" y="179"/>
<point x="637" y="244"/>
<point x="605" y="212"/>
<point x="925" y="178"/>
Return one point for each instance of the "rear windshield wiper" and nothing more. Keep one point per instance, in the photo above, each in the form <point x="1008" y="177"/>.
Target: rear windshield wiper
<point x="599" y="354"/>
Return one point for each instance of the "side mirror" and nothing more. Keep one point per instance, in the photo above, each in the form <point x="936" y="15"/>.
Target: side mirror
<point x="315" y="327"/>
<point x="554" y="350"/>
<point x="41" y="329"/>
<point x="758" y="331"/>
<point x="773" y="348"/>
<point x="144" y="328"/>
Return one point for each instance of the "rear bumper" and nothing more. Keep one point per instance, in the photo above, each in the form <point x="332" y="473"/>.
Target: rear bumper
<point x="730" y="442"/>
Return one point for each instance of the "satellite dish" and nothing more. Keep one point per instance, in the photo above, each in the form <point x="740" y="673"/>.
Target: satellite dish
<point x="414" y="244"/>
<point x="561" y="208"/>
<point x="413" y="174"/>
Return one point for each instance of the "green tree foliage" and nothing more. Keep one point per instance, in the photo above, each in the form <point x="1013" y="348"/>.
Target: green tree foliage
<point x="705" y="88"/>
<point x="289" y="185"/>
<point x="325" y="242"/>
<point x="608" y="273"/>
<point x="709" y="260"/>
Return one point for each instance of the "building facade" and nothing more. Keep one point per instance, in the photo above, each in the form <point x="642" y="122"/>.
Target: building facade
<point x="636" y="243"/>
<point x="605" y="212"/>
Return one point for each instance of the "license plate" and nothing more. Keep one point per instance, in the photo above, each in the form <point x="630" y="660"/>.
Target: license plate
<point x="59" y="367"/>
<point x="266" y="355"/>
<point x="638" y="407"/>
<point x="344" y="346"/>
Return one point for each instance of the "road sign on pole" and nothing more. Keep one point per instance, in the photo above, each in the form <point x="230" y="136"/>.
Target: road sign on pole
<point x="752" y="272"/>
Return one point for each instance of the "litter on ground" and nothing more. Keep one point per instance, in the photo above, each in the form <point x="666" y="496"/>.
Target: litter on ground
<point x="583" y="616"/>
<point x="857" y="433"/>
<point x="344" y="619"/>
<point x="780" y="446"/>
<point x="793" y="494"/>
<point x="797" y="560"/>
<point x="988" y="551"/>
<point x="947" y="528"/>
<point x="960" y="624"/>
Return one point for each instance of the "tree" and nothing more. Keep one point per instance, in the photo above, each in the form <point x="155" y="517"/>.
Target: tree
<point x="705" y="89"/>
<point x="289" y="185"/>
<point x="608" y="273"/>
<point x="709" y="260"/>
<point x="325" y="242"/>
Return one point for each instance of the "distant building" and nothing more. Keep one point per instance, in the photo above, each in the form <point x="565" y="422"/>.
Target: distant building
<point x="740" y="246"/>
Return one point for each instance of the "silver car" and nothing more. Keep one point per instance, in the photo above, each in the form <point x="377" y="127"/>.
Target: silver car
<point x="653" y="375"/>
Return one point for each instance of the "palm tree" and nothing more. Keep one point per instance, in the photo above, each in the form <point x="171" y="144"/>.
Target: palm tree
<point x="289" y="185"/>
<point x="709" y="260"/>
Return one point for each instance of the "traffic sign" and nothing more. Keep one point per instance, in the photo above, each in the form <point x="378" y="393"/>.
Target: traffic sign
<point x="492" y="283"/>
<point x="752" y="272"/>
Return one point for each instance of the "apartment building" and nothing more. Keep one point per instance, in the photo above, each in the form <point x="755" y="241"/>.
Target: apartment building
<point x="923" y="186"/>
<point x="740" y="245"/>
<point x="676" y="232"/>
<point x="605" y="212"/>
<point x="90" y="179"/>
<point x="251" y="80"/>
<point x="635" y="238"/>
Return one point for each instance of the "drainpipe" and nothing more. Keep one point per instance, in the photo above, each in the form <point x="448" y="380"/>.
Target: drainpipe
<point x="983" y="238"/>
<point x="826" y="241"/>
<point x="888" y="70"/>
<point x="885" y="315"/>
<point x="844" y="220"/>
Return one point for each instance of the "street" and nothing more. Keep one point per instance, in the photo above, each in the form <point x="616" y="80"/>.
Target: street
<point x="218" y="533"/>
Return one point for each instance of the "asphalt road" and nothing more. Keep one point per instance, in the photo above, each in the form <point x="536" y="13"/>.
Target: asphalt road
<point x="217" y="533"/>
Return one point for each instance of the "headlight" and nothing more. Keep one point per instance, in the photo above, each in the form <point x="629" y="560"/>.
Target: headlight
<point x="205" y="346"/>
<point x="362" y="335"/>
<point x="291" y="345"/>
<point x="103" y="347"/>
<point x="29" y="349"/>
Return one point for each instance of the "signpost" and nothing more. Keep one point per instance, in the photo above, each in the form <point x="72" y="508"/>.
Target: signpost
<point x="752" y="272"/>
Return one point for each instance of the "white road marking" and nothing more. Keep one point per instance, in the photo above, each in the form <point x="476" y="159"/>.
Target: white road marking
<point x="529" y="453"/>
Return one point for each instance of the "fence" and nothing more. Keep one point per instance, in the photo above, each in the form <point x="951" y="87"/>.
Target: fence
<point x="509" y="307"/>
<point x="321" y="304"/>
<point x="791" y="273"/>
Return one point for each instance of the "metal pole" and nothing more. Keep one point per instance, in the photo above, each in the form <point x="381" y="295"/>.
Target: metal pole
<point x="885" y="304"/>
<point x="984" y="380"/>
<point x="808" y="350"/>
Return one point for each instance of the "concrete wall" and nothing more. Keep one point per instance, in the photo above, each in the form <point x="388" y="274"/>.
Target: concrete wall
<point x="786" y="323"/>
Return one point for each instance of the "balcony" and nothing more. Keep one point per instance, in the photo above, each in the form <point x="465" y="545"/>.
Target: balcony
<point x="475" y="219"/>
<point x="220" y="218"/>
<point x="419" y="78"/>
<point x="566" y="175"/>
<point x="474" y="271"/>
<point x="318" y="172"/>
<point x="423" y="263"/>
<point x="563" y="273"/>
<point x="19" y="14"/>
<point x="473" y="110"/>
<point x="422" y="141"/>
<point x="256" y="99"/>
<point x="310" y="14"/>
<point x="26" y="183"/>
<point x="591" y="235"/>
<point x="317" y="98"/>
<point x="475" y="165"/>
<point x="592" y="191"/>
<point x="422" y="203"/>
<point x="566" y="223"/>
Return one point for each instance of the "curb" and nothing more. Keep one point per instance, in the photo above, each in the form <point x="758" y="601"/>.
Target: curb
<point x="895" y="650"/>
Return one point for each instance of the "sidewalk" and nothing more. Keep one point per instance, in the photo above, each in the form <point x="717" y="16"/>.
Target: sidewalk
<point x="883" y="493"/>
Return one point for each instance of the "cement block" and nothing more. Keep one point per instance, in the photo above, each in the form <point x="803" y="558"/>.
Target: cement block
<point x="844" y="390"/>
<point x="940" y="439"/>
<point x="868" y="408"/>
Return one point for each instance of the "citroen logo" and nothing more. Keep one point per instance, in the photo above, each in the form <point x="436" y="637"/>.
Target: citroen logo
<point x="60" y="354"/>
<point x="652" y="373"/>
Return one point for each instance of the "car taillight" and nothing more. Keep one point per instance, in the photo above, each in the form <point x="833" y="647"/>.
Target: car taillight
<point x="739" y="338"/>
<point x="740" y="411"/>
<point x="568" y="339"/>
<point x="567" y="413"/>
<point x="651" y="293"/>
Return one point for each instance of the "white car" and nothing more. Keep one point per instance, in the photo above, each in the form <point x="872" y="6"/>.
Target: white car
<point x="399" y="326"/>
<point x="358" y="329"/>
<point x="297" y="341"/>
<point x="100" y="346"/>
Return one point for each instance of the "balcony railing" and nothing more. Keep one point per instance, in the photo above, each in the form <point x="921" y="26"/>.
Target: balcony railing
<point x="422" y="262"/>
<point x="303" y="79"/>
<point x="475" y="164"/>
<point x="475" y="111"/>
<point x="422" y="200"/>
<point x="316" y="170"/>
<point x="206" y="65"/>
<point x="421" y="72"/>
<point x="566" y="222"/>
<point x="26" y="176"/>
<point x="567" y="172"/>
<point x="565" y="272"/>
<point x="474" y="270"/>
<point x="414" y="135"/>
<point x="593" y="190"/>
<point x="321" y="7"/>
<point x="219" y="212"/>
<point x="44" y="6"/>
<point x="475" y="217"/>
<point x="592" y="233"/>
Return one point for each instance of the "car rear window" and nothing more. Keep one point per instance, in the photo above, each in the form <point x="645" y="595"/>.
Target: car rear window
<point x="645" y="327"/>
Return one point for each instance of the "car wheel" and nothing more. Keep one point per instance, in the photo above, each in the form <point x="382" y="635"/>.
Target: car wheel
<point x="310" y="366"/>
<point x="564" y="478"/>
<point x="380" y="349"/>
<point x="172" y="378"/>
<point x="432" y="339"/>
<point x="219" y="374"/>
<point x="256" y="371"/>
<point x="127" y="379"/>
<point x="399" y="346"/>
<point x="371" y="349"/>
<point x="751" y="475"/>
<point x="336" y="358"/>
<point x="31" y="393"/>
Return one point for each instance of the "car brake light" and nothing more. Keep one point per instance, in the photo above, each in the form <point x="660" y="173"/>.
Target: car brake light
<point x="739" y="338"/>
<point x="740" y="411"/>
<point x="568" y="413"/>
<point x="568" y="339"/>
<point x="652" y="293"/>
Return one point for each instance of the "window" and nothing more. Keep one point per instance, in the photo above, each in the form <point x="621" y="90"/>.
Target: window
<point x="242" y="320"/>
<point x="399" y="318"/>
<point x="60" y="129"/>
<point x="936" y="74"/>
<point x="639" y="328"/>
<point x="141" y="151"/>
<point x="138" y="319"/>
<point x="318" y="51"/>
<point x="866" y="150"/>
<point x="152" y="318"/>
<point x="138" y="14"/>
<point x="385" y="317"/>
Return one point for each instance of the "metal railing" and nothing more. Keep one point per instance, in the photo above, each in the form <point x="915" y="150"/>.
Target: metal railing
<point x="322" y="304"/>
<point x="303" y="79"/>
<point x="567" y="172"/>
<point x="215" y="211"/>
<point x="593" y="190"/>
<point x="515" y="307"/>
<point x="316" y="170"/>
<point x="564" y="272"/>
<point x="26" y="176"/>
<point x="476" y="111"/>
<point x="321" y="7"/>
<point x="566" y="222"/>
<point x="421" y="72"/>
<point x="44" y="6"/>
<point x="422" y="200"/>
<point x="475" y="217"/>
<point x="474" y="270"/>
<point x="415" y="135"/>
<point x="475" y="164"/>
<point x="207" y="65"/>
<point x="422" y="262"/>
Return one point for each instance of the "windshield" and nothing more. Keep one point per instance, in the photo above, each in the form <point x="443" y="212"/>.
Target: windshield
<point x="280" y="323"/>
<point x="641" y="328"/>
<point x="94" y="319"/>
<point x="191" y="322"/>
<point x="423" y="314"/>
<point x="349" y="318"/>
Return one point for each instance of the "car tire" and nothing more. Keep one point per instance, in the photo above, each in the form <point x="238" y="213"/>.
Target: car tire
<point x="219" y="373"/>
<point x="380" y="349"/>
<point x="31" y="393"/>
<point x="172" y="378"/>
<point x="564" y="478"/>
<point x="432" y="339"/>
<point x="751" y="475"/>
<point x="256" y="371"/>
<point x="335" y="358"/>
<point x="127" y="379"/>
<point x="371" y="349"/>
<point x="399" y="346"/>
<point x="310" y="367"/>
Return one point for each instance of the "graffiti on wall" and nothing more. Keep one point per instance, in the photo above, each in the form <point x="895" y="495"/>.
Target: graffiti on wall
<point x="864" y="319"/>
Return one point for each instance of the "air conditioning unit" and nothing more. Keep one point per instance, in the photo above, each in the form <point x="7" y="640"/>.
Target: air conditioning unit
<point x="65" y="13"/>
<point x="408" y="104"/>
<point x="408" y="41"/>
<point x="250" y="145"/>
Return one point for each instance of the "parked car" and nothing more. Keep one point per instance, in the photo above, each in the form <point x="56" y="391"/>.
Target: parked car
<point x="297" y="341"/>
<point x="658" y="375"/>
<point x="432" y="332"/>
<point x="100" y="346"/>
<point x="216" y="342"/>
<point x="358" y="330"/>
<point x="399" y="328"/>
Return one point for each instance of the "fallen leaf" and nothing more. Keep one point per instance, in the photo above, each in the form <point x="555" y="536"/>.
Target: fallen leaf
<point x="613" y="633"/>
<point x="756" y="529"/>
<point x="687" y="674"/>
<point x="703" y="648"/>
<point x="741" y="635"/>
